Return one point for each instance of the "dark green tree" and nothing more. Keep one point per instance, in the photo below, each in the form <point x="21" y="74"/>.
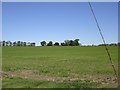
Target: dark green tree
<point x="67" y="42"/>
<point x="3" y="43"/>
<point x="43" y="43"/>
<point x="33" y="44"/>
<point x="63" y="44"/>
<point x="7" y="43"/>
<point x="50" y="43"/>
<point x="14" y="44"/>
<point x="76" y="42"/>
<point x="18" y="43"/>
<point x="72" y="43"/>
<point x="11" y="43"/>
<point x="56" y="44"/>
<point x="24" y="43"/>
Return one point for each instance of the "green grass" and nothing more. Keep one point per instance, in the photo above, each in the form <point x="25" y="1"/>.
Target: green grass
<point x="72" y="62"/>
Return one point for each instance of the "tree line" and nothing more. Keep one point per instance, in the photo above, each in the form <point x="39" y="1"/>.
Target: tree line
<point x="65" y="43"/>
<point x="112" y="44"/>
<point x="16" y="43"/>
<point x="50" y="43"/>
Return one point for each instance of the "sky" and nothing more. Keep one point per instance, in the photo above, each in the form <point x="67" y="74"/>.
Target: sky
<point x="50" y="21"/>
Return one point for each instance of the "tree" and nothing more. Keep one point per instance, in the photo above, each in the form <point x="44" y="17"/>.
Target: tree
<point x="21" y="43"/>
<point x="43" y="43"/>
<point x="7" y="42"/>
<point x="76" y="42"/>
<point x="18" y="43"/>
<point x="103" y="44"/>
<point x="10" y="43"/>
<point x="67" y="42"/>
<point x="72" y="43"/>
<point x="50" y="43"/>
<point x="118" y="43"/>
<point x="14" y="44"/>
<point x="113" y="44"/>
<point x="3" y="43"/>
<point x="62" y="44"/>
<point x="24" y="43"/>
<point x="56" y="44"/>
<point x="33" y="44"/>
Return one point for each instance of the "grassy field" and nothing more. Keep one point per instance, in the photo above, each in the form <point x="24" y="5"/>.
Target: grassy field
<point x="58" y="67"/>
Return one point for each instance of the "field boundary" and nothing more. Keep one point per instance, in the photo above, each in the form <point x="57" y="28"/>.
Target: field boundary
<point x="29" y="74"/>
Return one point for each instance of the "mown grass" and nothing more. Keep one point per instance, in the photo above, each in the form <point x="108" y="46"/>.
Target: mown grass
<point x="73" y="62"/>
